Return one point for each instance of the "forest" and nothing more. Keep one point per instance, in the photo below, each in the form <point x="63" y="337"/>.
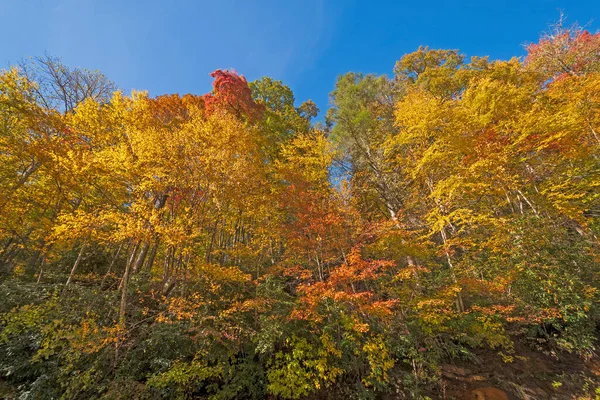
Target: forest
<point x="233" y="245"/>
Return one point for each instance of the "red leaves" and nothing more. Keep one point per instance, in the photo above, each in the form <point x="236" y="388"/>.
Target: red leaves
<point x="565" y="52"/>
<point x="232" y="94"/>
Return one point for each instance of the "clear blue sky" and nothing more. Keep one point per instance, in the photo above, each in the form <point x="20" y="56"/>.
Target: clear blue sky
<point x="171" y="46"/>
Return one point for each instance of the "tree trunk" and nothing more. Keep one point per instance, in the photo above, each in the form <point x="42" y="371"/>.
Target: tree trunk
<point x="460" y="307"/>
<point x="141" y="257"/>
<point x="111" y="265"/>
<point x="39" y="279"/>
<point x="152" y="256"/>
<point x="124" y="282"/>
<point x="409" y="259"/>
<point x="130" y="261"/>
<point x="43" y="262"/>
<point x="76" y="264"/>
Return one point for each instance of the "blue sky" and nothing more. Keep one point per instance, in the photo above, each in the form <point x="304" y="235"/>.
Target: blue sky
<point x="171" y="46"/>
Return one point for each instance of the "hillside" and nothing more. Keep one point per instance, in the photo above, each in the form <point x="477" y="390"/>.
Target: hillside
<point x="435" y="235"/>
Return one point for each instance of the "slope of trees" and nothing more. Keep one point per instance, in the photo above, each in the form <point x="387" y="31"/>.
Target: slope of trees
<point x="195" y="246"/>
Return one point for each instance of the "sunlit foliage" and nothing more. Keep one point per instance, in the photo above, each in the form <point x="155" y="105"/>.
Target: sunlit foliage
<point x="224" y="246"/>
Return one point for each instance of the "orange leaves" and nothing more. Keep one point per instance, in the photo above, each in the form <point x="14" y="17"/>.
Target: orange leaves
<point x="506" y="312"/>
<point x="295" y="271"/>
<point x="356" y="269"/>
<point x="349" y="288"/>
<point x="180" y="308"/>
<point x="172" y="109"/>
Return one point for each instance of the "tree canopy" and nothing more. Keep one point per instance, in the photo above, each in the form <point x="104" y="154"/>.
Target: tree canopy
<point x="200" y="246"/>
